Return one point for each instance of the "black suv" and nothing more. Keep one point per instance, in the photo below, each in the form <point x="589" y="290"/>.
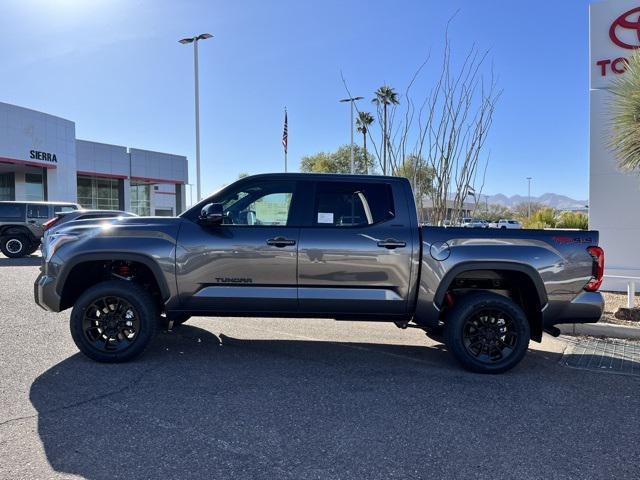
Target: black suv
<point x="21" y="225"/>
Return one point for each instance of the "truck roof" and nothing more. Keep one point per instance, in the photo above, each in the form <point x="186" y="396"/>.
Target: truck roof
<point x="327" y="176"/>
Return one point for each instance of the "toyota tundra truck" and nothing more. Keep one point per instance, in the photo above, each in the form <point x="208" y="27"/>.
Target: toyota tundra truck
<point x="346" y="247"/>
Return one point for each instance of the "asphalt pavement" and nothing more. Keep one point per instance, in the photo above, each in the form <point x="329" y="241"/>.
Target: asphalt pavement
<point x="297" y="399"/>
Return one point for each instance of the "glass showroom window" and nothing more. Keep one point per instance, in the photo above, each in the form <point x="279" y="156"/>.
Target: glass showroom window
<point x="141" y="198"/>
<point x="100" y="193"/>
<point x="34" y="187"/>
<point x="7" y="186"/>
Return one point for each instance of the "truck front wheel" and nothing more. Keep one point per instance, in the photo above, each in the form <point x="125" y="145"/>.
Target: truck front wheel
<point x="487" y="332"/>
<point x="113" y="321"/>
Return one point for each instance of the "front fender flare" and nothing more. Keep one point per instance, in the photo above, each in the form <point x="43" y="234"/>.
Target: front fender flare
<point x="114" y="256"/>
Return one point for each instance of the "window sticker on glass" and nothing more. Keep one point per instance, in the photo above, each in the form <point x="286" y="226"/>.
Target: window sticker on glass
<point x="324" y="217"/>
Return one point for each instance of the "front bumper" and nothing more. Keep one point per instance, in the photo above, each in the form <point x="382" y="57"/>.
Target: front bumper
<point x="44" y="293"/>
<point x="586" y="307"/>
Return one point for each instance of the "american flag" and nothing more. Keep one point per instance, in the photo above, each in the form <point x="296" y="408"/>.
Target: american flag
<point x="285" y="132"/>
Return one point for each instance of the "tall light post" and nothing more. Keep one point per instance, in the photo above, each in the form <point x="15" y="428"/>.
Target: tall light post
<point x="351" y="100"/>
<point x="194" y="40"/>
<point x="529" y="195"/>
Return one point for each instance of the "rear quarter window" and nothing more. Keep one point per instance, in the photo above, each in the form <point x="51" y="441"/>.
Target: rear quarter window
<point x="11" y="211"/>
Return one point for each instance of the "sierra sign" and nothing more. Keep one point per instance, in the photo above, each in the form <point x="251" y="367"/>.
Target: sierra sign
<point x="47" y="157"/>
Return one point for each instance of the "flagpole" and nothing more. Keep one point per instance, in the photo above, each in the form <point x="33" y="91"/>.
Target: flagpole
<point x="285" y="138"/>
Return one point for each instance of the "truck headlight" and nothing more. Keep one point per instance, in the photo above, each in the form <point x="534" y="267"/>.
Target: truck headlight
<point x="54" y="241"/>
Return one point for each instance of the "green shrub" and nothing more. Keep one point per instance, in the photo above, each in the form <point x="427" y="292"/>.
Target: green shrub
<point x="573" y="220"/>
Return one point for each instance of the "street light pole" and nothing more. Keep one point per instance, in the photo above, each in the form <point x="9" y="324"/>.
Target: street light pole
<point x="195" y="40"/>
<point x="351" y="100"/>
<point x="529" y="195"/>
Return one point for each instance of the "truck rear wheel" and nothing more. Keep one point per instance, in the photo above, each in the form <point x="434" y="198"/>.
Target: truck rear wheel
<point x="14" y="246"/>
<point x="487" y="332"/>
<point x="113" y="321"/>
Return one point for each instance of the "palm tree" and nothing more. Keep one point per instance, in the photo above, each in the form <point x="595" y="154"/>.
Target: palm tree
<point x="625" y="125"/>
<point x="385" y="96"/>
<point x="362" y="122"/>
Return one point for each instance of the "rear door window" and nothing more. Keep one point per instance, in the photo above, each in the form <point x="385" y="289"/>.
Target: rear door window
<point x="37" y="211"/>
<point x="347" y="204"/>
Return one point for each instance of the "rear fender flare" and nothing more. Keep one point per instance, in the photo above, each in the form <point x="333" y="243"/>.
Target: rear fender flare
<point x="528" y="270"/>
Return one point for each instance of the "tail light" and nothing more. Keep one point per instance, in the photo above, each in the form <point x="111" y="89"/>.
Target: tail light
<point x="597" y="254"/>
<point x="50" y="223"/>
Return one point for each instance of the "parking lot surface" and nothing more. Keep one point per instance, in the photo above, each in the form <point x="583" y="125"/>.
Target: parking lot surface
<point x="297" y="399"/>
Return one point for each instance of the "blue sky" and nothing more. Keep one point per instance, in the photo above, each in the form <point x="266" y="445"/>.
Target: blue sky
<point x="116" y="69"/>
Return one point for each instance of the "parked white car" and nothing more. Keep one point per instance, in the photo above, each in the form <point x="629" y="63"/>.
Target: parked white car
<point x="504" y="223"/>
<point x="468" y="222"/>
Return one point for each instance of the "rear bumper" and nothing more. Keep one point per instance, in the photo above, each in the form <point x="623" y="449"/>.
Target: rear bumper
<point x="44" y="293"/>
<point x="587" y="307"/>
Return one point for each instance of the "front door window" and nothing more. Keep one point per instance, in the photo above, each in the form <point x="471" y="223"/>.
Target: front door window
<point x="266" y="204"/>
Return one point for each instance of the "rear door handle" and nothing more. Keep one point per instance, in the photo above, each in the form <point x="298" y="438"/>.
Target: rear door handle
<point x="280" y="242"/>
<point x="391" y="243"/>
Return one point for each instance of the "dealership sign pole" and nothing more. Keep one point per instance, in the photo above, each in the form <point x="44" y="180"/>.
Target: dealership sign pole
<point x="194" y="40"/>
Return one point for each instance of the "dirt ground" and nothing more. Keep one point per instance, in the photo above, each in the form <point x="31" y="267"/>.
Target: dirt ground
<point x="613" y="301"/>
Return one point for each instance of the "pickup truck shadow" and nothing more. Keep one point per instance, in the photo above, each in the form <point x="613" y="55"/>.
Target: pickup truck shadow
<point x="197" y="405"/>
<point x="28" y="261"/>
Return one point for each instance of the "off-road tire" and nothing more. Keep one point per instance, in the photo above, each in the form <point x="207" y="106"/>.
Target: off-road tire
<point x="14" y="246"/>
<point x="142" y="304"/>
<point x="461" y="335"/>
<point x="32" y="249"/>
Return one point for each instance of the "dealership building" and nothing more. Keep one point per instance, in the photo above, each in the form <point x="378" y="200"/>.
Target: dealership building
<point x="41" y="159"/>
<point x="614" y="195"/>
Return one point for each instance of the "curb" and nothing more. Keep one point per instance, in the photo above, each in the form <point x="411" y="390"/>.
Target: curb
<point x="600" y="330"/>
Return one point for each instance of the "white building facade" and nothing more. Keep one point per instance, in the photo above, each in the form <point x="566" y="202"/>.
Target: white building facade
<point x="41" y="159"/>
<point x="614" y="195"/>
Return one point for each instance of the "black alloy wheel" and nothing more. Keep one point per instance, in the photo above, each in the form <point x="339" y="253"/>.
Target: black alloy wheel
<point x="111" y="324"/>
<point x="487" y="332"/>
<point x="113" y="321"/>
<point x="490" y="335"/>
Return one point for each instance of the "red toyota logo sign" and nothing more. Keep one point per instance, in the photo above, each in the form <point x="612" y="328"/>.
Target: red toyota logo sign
<point x="623" y="23"/>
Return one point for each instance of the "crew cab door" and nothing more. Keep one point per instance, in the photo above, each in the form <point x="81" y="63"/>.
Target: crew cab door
<point x="248" y="263"/>
<point x="356" y="248"/>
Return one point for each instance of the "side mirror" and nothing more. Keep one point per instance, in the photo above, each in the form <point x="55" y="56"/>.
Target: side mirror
<point x="212" y="214"/>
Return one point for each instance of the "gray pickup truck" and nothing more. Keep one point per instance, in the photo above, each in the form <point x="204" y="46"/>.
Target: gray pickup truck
<point x="312" y="245"/>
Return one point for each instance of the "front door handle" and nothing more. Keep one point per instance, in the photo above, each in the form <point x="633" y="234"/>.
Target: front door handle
<point x="392" y="243"/>
<point x="280" y="242"/>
